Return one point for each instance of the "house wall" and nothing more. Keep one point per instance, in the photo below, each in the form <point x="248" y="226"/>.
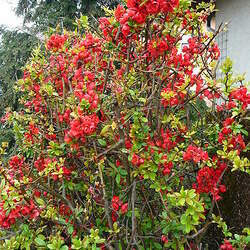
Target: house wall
<point x="235" y="43"/>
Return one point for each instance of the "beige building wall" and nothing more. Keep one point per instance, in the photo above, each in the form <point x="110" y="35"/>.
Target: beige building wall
<point x="235" y="42"/>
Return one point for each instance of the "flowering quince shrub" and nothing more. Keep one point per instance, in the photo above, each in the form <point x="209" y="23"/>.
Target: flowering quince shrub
<point x="116" y="145"/>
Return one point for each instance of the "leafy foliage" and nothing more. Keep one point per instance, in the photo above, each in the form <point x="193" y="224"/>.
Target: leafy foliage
<point x="15" y="49"/>
<point x="50" y="13"/>
<point x="115" y="149"/>
<point x="16" y="45"/>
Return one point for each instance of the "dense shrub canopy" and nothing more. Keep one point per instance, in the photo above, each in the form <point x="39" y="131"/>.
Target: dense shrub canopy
<point x="124" y="136"/>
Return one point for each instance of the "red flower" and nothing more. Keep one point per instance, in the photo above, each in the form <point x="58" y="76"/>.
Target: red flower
<point x="119" y="12"/>
<point x="153" y="7"/>
<point x="124" y="208"/>
<point x="128" y="144"/>
<point x="115" y="206"/>
<point x="164" y="239"/>
<point x="37" y="193"/>
<point x="208" y="181"/>
<point x="115" y="199"/>
<point x="194" y="153"/>
<point x="227" y="246"/>
<point x="125" y="30"/>
<point x="135" y="159"/>
<point x="116" y="203"/>
<point x="56" y="41"/>
<point x="241" y="94"/>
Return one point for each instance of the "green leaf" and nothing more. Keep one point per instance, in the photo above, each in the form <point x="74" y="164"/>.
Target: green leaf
<point x="181" y="202"/>
<point x="122" y="171"/>
<point x="237" y="237"/>
<point x="152" y="176"/>
<point x="190" y="210"/>
<point x="191" y="193"/>
<point x="183" y="219"/>
<point x="84" y="21"/>
<point x="102" y="142"/>
<point x="70" y="229"/>
<point x="189" y="201"/>
<point x="196" y="217"/>
<point x="40" y="242"/>
<point x="118" y="178"/>
<point x="100" y="241"/>
<point x="188" y="228"/>
<point x="64" y="247"/>
<point x="157" y="245"/>
<point x="2" y="183"/>
<point x="40" y="201"/>
<point x="76" y="243"/>
<point x="105" y="130"/>
<point x="243" y="131"/>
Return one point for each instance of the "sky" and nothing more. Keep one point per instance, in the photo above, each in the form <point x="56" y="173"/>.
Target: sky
<point x="7" y="14"/>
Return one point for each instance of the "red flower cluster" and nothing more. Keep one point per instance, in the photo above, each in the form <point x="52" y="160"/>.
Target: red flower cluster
<point x="236" y="141"/>
<point x="138" y="11"/>
<point x="116" y="205"/>
<point x="210" y="94"/>
<point x="241" y="95"/>
<point x="227" y="246"/>
<point x="167" y="168"/>
<point x="33" y="131"/>
<point x="136" y="160"/>
<point x="153" y="7"/>
<point x="195" y="153"/>
<point x="64" y="210"/>
<point x="85" y="51"/>
<point x="81" y="127"/>
<point x="9" y="216"/>
<point x="214" y="52"/>
<point x="107" y="28"/>
<point x="194" y="46"/>
<point x="128" y="144"/>
<point x="171" y="97"/>
<point x="208" y="181"/>
<point x="87" y="90"/>
<point x="157" y="47"/>
<point x="65" y="117"/>
<point x="168" y="140"/>
<point x="36" y="102"/>
<point x="41" y="163"/>
<point x="16" y="164"/>
<point x="226" y="106"/>
<point x="5" y="117"/>
<point x="56" y="42"/>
